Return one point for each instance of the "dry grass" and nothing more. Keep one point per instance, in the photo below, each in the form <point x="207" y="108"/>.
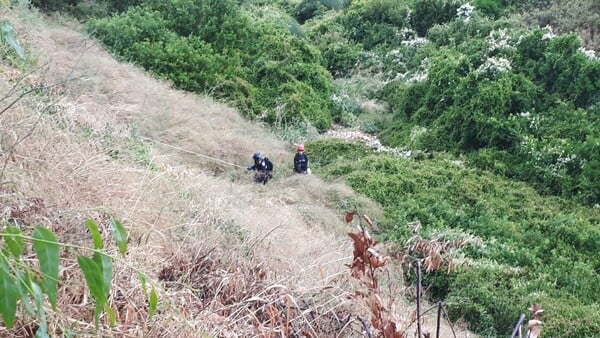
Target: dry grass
<point x="229" y="258"/>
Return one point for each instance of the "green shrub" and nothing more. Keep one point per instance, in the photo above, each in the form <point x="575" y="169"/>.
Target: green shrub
<point x="569" y="73"/>
<point x="492" y="301"/>
<point x="188" y="62"/>
<point x="220" y="23"/>
<point x="86" y="9"/>
<point x="339" y="55"/>
<point x="570" y="319"/>
<point x="427" y="13"/>
<point x="308" y="9"/>
<point x="534" y="245"/>
<point x="335" y="151"/>
<point x="375" y="23"/>
<point x="122" y="31"/>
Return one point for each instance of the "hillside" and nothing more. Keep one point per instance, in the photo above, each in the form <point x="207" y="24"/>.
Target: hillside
<point x="89" y="137"/>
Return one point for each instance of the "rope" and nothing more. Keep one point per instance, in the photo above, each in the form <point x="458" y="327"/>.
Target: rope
<point x="194" y="153"/>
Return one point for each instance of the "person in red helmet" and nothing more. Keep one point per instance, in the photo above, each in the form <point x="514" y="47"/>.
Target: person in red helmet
<point x="301" y="161"/>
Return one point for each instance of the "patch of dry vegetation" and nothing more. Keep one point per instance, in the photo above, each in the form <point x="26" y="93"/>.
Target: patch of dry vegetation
<point x="97" y="139"/>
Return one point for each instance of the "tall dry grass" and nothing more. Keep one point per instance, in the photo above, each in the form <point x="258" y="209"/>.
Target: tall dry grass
<point x="104" y="139"/>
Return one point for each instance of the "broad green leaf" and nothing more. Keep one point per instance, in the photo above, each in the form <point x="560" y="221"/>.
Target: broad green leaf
<point x="105" y="263"/>
<point x="24" y="286"/>
<point x="7" y="35"/>
<point x="120" y="235"/>
<point x="14" y="240"/>
<point x="8" y="294"/>
<point x="96" y="237"/>
<point x="153" y="302"/>
<point x="95" y="281"/>
<point x="46" y="249"/>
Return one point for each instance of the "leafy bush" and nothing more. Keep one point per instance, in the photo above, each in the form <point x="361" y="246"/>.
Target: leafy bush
<point x="571" y="319"/>
<point x="179" y="59"/>
<point x="427" y="13"/>
<point x="335" y="151"/>
<point x="122" y="31"/>
<point x="86" y="9"/>
<point x="529" y="240"/>
<point x="214" y="46"/>
<point x="308" y="9"/>
<point x="375" y="23"/>
<point x="339" y="55"/>
<point x="220" y="23"/>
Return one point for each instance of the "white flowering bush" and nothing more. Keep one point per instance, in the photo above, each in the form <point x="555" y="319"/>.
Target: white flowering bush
<point x="493" y="66"/>
<point x="465" y="12"/>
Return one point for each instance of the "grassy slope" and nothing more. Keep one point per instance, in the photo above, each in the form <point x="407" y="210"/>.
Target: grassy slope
<point x="110" y="141"/>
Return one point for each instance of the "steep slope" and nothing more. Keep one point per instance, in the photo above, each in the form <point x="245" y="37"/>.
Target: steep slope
<point x="95" y="138"/>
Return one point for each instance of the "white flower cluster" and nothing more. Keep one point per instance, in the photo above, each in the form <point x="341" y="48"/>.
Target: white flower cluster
<point x="417" y="77"/>
<point x="562" y="160"/>
<point x="498" y="40"/>
<point x="396" y="56"/>
<point x="534" y="120"/>
<point x="465" y="12"/>
<point x="493" y="66"/>
<point x="589" y="53"/>
<point x="549" y="33"/>
<point x="416" y="42"/>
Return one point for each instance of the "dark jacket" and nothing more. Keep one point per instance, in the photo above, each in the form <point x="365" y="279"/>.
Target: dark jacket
<point x="262" y="164"/>
<point x="263" y="168"/>
<point x="300" y="162"/>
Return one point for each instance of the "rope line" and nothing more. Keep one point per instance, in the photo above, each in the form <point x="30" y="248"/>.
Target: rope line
<point x="192" y="152"/>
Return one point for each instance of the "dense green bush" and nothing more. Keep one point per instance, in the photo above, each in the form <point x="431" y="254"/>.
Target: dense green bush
<point x="339" y="55"/>
<point x="308" y="9"/>
<point x="216" y="47"/>
<point x="533" y="245"/>
<point x="289" y="74"/>
<point x="335" y="151"/>
<point x="122" y="31"/>
<point x="427" y="13"/>
<point x="571" y="319"/>
<point x="85" y="9"/>
<point x="521" y="98"/>
<point x="220" y="23"/>
<point x="375" y="23"/>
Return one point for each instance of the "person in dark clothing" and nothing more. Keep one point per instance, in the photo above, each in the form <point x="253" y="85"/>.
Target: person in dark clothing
<point x="263" y="168"/>
<point x="301" y="161"/>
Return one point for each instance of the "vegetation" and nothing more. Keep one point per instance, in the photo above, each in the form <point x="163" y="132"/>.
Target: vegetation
<point x="536" y="249"/>
<point x="508" y="114"/>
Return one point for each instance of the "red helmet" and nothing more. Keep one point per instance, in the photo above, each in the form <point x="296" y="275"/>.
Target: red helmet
<point x="301" y="147"/>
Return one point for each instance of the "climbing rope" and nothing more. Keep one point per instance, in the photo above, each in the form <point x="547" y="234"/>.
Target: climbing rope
<point x="192" y="152"/>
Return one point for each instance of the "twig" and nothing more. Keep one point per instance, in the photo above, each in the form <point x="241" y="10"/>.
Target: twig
<point x="365" y="327"/>
<point x="449" y="322"/>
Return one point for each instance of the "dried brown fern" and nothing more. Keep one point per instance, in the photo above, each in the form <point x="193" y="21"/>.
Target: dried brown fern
<point x="366" y="265"/>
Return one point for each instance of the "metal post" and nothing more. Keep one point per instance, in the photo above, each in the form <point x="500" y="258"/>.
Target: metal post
<point x="518" y="326"/>
<point x="419" y="298"/>
<point x="439" y="317"/>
